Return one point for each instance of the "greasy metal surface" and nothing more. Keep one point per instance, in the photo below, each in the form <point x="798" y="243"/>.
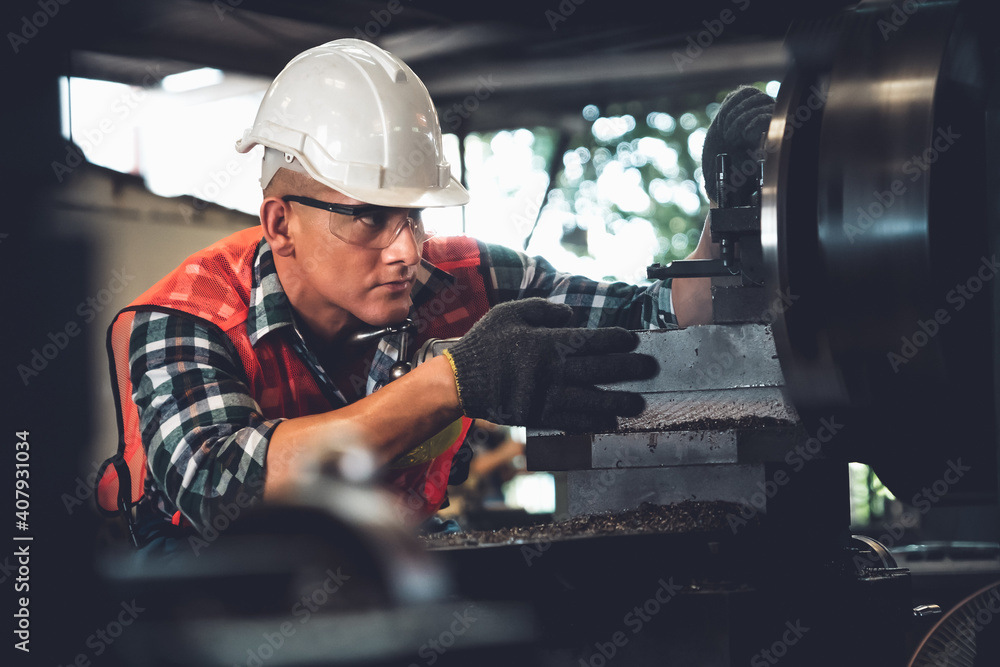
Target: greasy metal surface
<point x="713" y="409"/>
<point x="673" y="448"/>
<point x="716" y="383"/>
<point x="741" y="303"/>
<point x="684" y="517"/>
<point x="591" y="491"/>
<point x="706" y="359"/>
<point x="667" y="448"/>
<point x="709" y="357"/>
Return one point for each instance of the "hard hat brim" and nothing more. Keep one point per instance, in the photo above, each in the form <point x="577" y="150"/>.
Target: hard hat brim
<point x="451" y="195"/>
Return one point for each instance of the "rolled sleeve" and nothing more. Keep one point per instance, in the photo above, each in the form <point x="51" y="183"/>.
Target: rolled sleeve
<point x="515" y="275"/>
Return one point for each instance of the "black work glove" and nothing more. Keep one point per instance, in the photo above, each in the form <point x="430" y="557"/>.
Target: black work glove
<point x="736" y="130"/>
<point x="519" y="366"/>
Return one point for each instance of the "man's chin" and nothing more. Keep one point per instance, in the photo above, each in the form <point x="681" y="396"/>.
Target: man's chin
<point x="386" y="316"/>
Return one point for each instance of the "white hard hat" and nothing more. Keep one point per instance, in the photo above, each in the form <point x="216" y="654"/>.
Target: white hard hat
<point x="356" y="118"/>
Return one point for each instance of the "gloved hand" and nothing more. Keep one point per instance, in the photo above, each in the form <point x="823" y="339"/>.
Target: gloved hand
<point x="736" y="130"/>
<point x="519" y="366"/>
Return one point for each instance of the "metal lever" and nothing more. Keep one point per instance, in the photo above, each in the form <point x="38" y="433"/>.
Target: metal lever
<point x="688" y="268"/>
<point x="729" y="223"/>
<point x="406" y="327"/>
<point x="924" y="610"/>
<point x="721" y="171"/>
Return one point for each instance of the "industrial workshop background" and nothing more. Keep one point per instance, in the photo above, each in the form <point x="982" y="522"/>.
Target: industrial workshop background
<point x="577" y="126"/>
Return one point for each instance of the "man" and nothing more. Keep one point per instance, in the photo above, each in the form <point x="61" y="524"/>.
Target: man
<point x="254" y="350"/>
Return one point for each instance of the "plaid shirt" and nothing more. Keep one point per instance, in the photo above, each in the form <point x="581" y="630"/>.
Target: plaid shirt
<point x="205" y="437"/>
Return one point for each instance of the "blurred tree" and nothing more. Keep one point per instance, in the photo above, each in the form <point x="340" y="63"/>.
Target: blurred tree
<point x="639" y="161"/>
<point x="635" y="163"/>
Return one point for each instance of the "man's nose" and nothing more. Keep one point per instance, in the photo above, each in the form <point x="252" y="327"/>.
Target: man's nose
<point x="404" y="248"/>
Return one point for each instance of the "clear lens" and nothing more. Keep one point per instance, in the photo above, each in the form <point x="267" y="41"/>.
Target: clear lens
<point x="378" y="229"/>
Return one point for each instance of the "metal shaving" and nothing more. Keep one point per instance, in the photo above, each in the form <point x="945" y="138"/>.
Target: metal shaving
<point x="684" y="517"/>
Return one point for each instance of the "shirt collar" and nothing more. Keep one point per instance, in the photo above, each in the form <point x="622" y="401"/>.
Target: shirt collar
<point x="429" y="280"/>
<point x="269" y="308"/>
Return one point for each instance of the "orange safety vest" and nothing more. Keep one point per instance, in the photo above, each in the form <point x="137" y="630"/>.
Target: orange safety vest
<point x="214" y="285"/>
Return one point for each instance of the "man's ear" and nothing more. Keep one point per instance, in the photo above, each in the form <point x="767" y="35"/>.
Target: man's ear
<point x="274" y="221"/>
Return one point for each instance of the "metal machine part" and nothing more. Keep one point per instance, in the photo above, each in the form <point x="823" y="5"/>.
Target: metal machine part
<point x="325" y="575"/>
<point x="879" y="555"/>
<point x="965" y="636"/>
<point x="874" y="226"/>
<point x="433" y="347"/>
<point x="875" y="257"/>
<point x="876" y="218"/>
<point x="710" y="596"/>
<point x="738" y="276"/>
<point x="404" y="330"/>
<point x="710" y="429"/>
<point x="730" y="226"/>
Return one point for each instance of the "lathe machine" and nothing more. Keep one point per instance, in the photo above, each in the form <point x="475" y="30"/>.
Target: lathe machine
<point x="854" y="320"/>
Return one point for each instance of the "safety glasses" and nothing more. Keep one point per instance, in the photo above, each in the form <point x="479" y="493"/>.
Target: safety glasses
<point x="367" y="225"/>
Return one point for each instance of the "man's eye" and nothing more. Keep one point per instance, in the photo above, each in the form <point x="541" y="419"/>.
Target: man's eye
<point x="374" y="220"/>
